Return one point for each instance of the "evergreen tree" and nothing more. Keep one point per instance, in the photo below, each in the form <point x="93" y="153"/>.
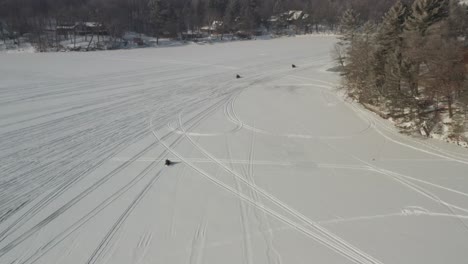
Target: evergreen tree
<point x="200" y="14"/>
<point x="390" y="44"/>
<point x="232" y="15"/>
<point x="392" y="27"/>
<point x="278" y="7"/>
<point x="458" y="19"/>
<point x="358" y="69"/>
<point x="426" y="13"/>
<point x="349" y="23"/>
<point x="156" y="16"/>
<point x="217" y="7"/>
<point x="251" y="16"/>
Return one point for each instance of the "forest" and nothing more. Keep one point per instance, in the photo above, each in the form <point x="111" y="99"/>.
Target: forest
<point x="42" y="20"/>
<point x="410" y="66"/>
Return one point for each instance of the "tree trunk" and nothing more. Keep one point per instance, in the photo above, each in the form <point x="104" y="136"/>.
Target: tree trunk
<point x="89" y="44"/>
<point x="415" y="80"/>
<point x="450" y="103"/>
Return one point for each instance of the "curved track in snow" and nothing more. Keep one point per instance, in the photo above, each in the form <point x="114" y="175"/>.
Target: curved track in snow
<point x="275" y="167"/>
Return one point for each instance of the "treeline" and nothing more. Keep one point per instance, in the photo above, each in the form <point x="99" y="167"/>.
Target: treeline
<point x="171" y="17"/>
<point x="410" y="65"/>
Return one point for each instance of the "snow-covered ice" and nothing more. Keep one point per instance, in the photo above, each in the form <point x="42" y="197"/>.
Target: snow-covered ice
<point x="274" y="167"/>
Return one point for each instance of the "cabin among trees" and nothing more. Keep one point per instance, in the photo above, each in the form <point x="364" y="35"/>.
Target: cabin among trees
<point x="183" y="19"/>
<point x="409" y="65"/>
<point x="81" y="29"/>
<point x="290" y="21"/>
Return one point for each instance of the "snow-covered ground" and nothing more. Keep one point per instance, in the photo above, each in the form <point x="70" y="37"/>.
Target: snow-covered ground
<point x="10" y="47"/>
<point x="272" y="168"/>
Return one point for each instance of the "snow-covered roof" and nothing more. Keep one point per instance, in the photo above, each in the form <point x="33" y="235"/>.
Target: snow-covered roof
<point x="273" y="19"/>
<point x="92" y="24"/>
<point x="295" y="15"/>
<point x="66" y="27"/>
<point x="214" y="26"/>
<point x="291" y="15"/>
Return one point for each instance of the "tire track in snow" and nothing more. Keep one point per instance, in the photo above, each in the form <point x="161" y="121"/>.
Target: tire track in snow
<point x="273" y="255"/>
<point x="406" y="181"/>
<point x="100" y="252"/>
<point x="230" y="114"/>
<point x="198" y="243"/>
<point x="244" y="216"/>
<point x="333" y="239"/>
<point x="172" y="230"/>
<point x="43" y="171"/>
<point x="226" y="113"/>
<point x="63" y="235"/>
<point x="65" y="207"/>
<point x="432" y="150"/>
<point x="103" y="248"/>
<point x="199" y="117"/>
<point x="141" y="250"/>
<point x="234" y="118"/>
<point x="409" y="181"/>
<point x="70" y="120"/>
<point x="348" y="252"/>
<point x="60" y="190"/>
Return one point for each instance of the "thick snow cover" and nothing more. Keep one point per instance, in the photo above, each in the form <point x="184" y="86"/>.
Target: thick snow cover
<point x="275" y="167"/>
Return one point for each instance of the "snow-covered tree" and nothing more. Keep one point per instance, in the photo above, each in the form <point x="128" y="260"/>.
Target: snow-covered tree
<point x="349" y="24"/>
<point x="389" y="49"/>
<point x="425" y="13"/>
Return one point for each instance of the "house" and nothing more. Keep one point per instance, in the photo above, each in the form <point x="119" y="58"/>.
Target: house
<point x="65" y="29"/>
<point x="215" y="28"/>
<point x="291" y="20"/>
<point x="80" y="28"/>
<point x="191" y="35"/>
<point x="90" y="28"/>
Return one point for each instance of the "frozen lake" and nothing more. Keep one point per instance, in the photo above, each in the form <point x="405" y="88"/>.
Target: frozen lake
<point x="274" y="167"/>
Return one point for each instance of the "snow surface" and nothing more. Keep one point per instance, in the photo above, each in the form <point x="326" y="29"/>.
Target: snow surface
<point x="273" y="168"/>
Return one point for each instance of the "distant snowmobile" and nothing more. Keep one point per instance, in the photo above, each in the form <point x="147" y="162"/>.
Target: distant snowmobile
<point x="168" y="163"/>
<point x="294" y="66"/>
<point x="238" y="76"/>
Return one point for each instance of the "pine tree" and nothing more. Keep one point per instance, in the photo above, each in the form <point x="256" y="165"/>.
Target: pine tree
<point x="359" y="68"/>
<point x="200" y="13"/>
<point x="217" y="7"/>
<point x="156" y="17"/>
<point x="251" y="16"/>
<point x="278" y="7"/>
<point x="232" y="14"/>
<point x="426" y="13"/>
<point x="392" y="27"/>
<point x="349" y="23"/>
<point x="458" y="19"/>
<point x="390" y="44"/>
